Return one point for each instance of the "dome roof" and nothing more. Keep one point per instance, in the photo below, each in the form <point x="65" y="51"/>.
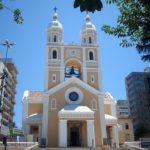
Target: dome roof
<point x="88" y="24"/>
<point x="55" y="23"/>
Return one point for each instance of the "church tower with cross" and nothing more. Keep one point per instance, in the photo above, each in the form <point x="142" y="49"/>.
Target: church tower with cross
<point x="72" y="110"/>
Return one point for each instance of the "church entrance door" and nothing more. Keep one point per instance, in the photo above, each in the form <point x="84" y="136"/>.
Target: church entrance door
<point x="74" y="136"/>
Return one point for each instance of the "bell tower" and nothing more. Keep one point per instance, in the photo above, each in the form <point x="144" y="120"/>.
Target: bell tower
<point x="53" y="52"/>
<point x="88" y="33"/>
<point x="91" y="65"/>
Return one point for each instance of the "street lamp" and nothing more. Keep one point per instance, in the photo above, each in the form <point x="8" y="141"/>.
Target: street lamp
<point x="4" y="74"/>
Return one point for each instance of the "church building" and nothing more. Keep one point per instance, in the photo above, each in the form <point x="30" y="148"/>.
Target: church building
<point x="72" y="110"/>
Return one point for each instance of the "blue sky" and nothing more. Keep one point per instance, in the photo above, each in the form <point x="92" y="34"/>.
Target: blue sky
<point x="30" y="39"/>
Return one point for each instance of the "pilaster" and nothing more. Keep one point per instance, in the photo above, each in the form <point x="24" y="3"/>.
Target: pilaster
<point x="62" y="65"/>
<point x="45" y="117"/>
<point x="84" y="69"/>
<point x="46" y="69"/>
<point x="115" y="136"/>
<point x="62" y="133"/>
<point x="102" y="119"/>
<point x="90" y="133"/>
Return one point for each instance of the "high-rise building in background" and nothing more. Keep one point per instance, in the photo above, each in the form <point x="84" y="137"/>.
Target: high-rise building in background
<point x="7" y="95"/>
<point x="123" y="110"/>
<point x="138" y="94"/>
<point x="125" y="121"/>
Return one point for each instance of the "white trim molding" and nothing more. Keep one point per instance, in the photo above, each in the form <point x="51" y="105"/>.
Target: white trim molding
<point x="91" y="50"/>
<point x="53" y="104"/>
<point x="76" y="112"/>
<point x="78" y="91"/>
<point x="94" y="104"/>
<point x="54" y="49"/>
<point x="76" y="81"/>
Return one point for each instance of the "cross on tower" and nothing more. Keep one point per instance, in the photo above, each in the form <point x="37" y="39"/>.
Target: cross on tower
<point x="55" y="9"/>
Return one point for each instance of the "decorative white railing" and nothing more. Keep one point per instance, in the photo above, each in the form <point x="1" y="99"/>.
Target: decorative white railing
<point x="20" y="144"/>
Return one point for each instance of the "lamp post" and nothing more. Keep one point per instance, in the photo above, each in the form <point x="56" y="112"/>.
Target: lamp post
<point x="3" y="76"/>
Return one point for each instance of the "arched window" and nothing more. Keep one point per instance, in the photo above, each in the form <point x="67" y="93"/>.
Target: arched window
<point x="90" y="40"/>
<point x="53" y="104"/>
<point x="54" y="54"/>
<point x="94" y="104"/>
<point x="126" y="126"/>
<point x="91" y="55"/>
<point x="92" y="78"/>
<point x="55" y="38"/>
<point x="54" y="78"/>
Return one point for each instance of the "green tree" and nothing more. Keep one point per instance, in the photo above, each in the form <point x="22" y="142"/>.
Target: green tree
<point x="133" y="25"/>
<point x="16" y="13"/>
<point x="88" y="5"/>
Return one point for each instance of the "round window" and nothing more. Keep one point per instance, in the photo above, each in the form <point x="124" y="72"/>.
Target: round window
<point x="73" y="96"/>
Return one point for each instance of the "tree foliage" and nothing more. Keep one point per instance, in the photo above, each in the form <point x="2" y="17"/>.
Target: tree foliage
<point x="88" y="5"/>
<point x="133" y="25"/>
<point x="16" y="13"/>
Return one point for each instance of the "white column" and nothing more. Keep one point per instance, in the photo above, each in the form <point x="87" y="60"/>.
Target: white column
<point x="25" y="109"/>
<point x="90" y="133"/>
<point x="62" y="133"/>
<point x="115" y="136"/>
<point x="40" y="132"/>
<point x="45" y="117"/>
<point x="99" y="70"/>
<point x="46" y="78"/>
<point x="84" y="68"/>
<point x="62" y="65"/>
<point x="27" y="129"/>
<point x="46" y="68"/>
<point x="102" y="118"/>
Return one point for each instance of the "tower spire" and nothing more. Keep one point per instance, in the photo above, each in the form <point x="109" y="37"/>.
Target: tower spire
<point x="55" y="17"/>
<point x="55" y="9"/>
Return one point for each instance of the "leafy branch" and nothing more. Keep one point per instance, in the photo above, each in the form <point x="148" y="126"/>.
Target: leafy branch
<point x="16" y="13"/>
<point x="133" y="25"/>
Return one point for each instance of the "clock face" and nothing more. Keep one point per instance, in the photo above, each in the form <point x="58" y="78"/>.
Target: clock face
<point x="73" y="96"/>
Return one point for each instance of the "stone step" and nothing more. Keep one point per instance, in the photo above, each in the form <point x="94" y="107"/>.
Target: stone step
<point x="77" y="148"/>
<point x="80" y="148"/>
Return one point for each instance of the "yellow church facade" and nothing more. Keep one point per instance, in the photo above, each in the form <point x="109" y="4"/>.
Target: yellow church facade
<point x="72" y="111"/>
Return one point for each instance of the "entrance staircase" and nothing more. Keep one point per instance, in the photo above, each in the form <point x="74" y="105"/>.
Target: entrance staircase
<point x="79" y="148"/>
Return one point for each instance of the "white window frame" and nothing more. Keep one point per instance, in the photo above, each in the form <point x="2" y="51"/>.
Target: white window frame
<point x="53" y="104"/>
<point x="94" y="104"/>
<point x="90" y="39"/>
<point x="55" y="36"/>
<point x="53" y="75"/>
<point x="52" y="54"/>
<point x="91" y="50"/>
<point x="92" y="78"/>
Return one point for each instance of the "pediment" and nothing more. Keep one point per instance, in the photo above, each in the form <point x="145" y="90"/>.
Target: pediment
<point x="76" y="81"/>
